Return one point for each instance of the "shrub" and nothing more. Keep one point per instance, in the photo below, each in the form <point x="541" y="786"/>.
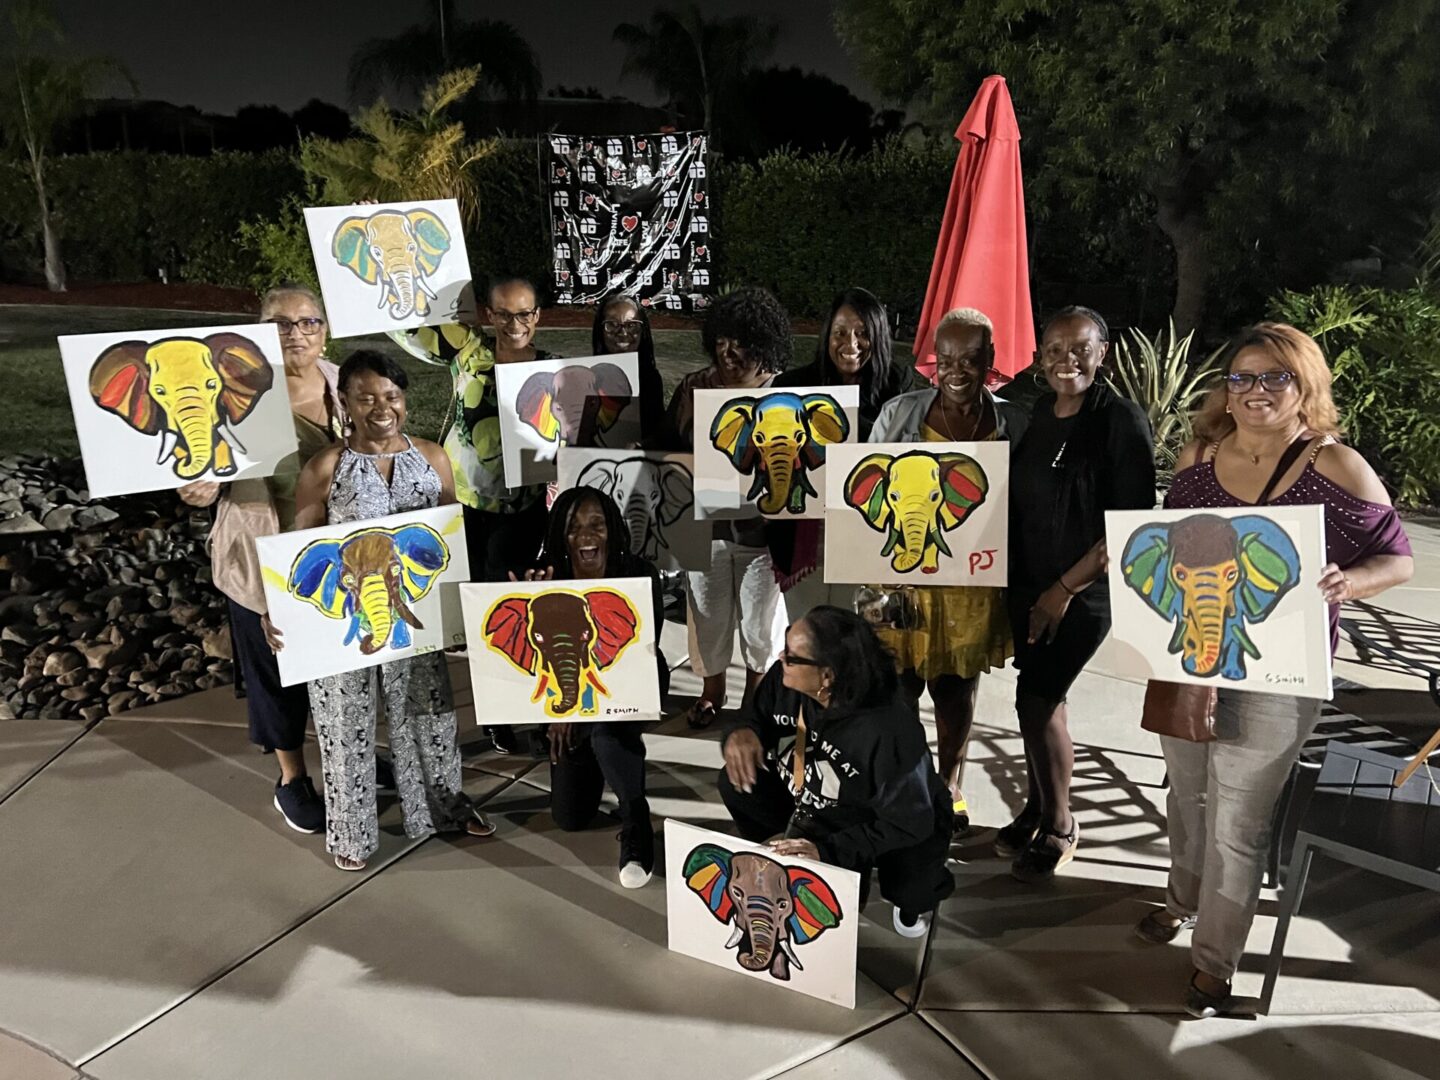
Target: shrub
<point x="1384" y="351"/>
<point x="1158" y="375"/>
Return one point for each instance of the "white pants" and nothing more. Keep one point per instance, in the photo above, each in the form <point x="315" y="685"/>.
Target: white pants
<point x="738" y="589"/>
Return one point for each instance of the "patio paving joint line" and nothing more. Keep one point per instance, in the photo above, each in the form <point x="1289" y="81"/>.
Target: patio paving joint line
<point x="50" y="760"/>
<point x="950" y="1042"/>
<point x="831" y="1049"/>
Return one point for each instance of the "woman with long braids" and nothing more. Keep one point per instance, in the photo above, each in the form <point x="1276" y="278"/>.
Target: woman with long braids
<point x="1087" y="450"/>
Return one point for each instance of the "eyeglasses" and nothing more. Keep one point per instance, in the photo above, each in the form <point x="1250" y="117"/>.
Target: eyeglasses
<point x="309" y="326"/>
<point x="629" y="326"/>
<point x="798" y="661"/>
<point x="1241" y="382"/>
<point x="514" y="316"/>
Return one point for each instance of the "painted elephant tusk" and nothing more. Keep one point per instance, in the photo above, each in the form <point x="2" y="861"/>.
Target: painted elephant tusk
<point x="790" y="952"/>
<point x="736" y="934"/>
<point x="424" y="285"/>
<point x="169" y="439"/>
<point x="384" y="282"/>
<point x="228" y="434"/>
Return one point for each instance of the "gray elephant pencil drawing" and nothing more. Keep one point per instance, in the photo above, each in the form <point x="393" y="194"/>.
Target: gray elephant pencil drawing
<point x="653" y="495"/>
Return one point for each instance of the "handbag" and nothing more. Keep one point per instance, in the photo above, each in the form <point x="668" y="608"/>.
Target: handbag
<point x="1180" y="710"/>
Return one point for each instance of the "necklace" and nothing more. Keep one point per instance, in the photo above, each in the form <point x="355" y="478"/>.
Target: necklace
<point x="974" y="427"/>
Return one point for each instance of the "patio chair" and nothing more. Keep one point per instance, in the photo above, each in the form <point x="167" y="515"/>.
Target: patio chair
<point x="1358" y="816"/>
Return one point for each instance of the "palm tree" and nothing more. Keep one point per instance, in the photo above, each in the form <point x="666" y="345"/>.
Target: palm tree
<point x="45" y="93"/>
<point x="696" y="63"/>
<point x="421" y="53"/>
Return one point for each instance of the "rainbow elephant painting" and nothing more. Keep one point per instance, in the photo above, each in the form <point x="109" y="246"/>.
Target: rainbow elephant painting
<point x="1236" y="589"/>
<point x="350" y="596"/>
<point x="388" y="266"/>
<point x="161" y="409"/>
<point x="765" y="451"/>
<point x="544" y="650"/>
<point x="915" y="498"/>
<point x="788" y="922"/>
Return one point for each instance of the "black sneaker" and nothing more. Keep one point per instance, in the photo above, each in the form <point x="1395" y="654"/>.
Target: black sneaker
<point x="300" y="805"/>
<point x="384" y="776"/>
<point x="503" y="739"/>
<point x="637" y="849"/>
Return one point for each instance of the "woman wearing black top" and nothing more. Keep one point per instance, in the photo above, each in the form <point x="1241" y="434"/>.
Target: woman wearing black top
<point x="621" y="326"/>
<point x="587" y="538"/>
<point x="830" y="713"/>
<point x="1087" y="450"/>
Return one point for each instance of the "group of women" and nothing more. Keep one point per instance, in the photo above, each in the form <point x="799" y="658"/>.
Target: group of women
<point x="827" y="757"/>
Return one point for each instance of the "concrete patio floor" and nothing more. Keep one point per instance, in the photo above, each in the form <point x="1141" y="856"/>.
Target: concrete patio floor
<point x="159" y="920"/>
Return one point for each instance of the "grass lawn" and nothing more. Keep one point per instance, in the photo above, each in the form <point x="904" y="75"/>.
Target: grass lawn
<point x="35" y="414"/>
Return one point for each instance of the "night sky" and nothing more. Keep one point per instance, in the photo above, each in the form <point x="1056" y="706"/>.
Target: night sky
<point x="219" y="56"/>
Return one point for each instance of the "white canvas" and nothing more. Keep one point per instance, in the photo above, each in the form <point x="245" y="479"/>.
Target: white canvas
<point x="1221" y="597"/>
<point x="327" y="591"/>
<point x="813" y="953"/>
<point x="764" y="451"/>
<point x="655" y="491"/>
<point x="159" y="409"/>
<point x="917" y="513"/>
<point x="389" y="266"/>
<point x="548" y="651"/>
<point x="546" y="404"/>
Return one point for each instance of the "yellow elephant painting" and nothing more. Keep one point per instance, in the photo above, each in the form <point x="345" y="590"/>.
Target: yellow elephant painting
<point x="190" y="391"/>
<point x="915" y="499"/>
<point x="398" y="249"/>
<point x="779" y="440"/>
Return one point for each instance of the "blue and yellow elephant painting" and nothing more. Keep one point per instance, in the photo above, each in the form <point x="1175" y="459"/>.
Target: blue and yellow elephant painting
<point x="371" y="577"/>
<point x="398" y="249"/>
<point x="1212" y="577"/>
<point x="773" y="907"/>
<point x="779" y="439"/>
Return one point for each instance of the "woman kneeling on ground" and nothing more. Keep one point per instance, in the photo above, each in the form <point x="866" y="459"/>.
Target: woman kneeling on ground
<point x="587" y="538"/>
<point x="871" y="797"/>
<point x="377" y="471"/>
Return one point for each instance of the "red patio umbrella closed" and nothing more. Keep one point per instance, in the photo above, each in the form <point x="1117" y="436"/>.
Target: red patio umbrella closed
<point x="981" y="259"/>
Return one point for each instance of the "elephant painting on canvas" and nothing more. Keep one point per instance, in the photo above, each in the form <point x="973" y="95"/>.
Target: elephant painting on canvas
<point x="565" y="639"/>
<point x="1212" y="577"/>
<point x="397" y="250"/>
<point x="653" y="495"/>
<point x="371" y="578"/>
<point x="575" y="405"/>
<point x="773" y="908"/>
<point x="915" y="499"/>
<point x="189" y="391"/>
<point x="779" y="439"/>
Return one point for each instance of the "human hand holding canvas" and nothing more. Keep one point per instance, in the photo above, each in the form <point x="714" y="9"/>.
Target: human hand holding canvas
<point x="562" y="740"/>
<point x="200" y="493"/>
<point x="795" y="849"/>
<point x="544" y="573"/>
<point x="744" y="758"/>
<point x="273" y="637"/>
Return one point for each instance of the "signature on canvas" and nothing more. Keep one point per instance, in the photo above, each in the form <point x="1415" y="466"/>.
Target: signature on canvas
<point x="565" y="639"/>
<point x="398" y="250"/>
<point x="779" y="439"/>
<point x="1212" y="577"/>
<point x="915" y="498"/>
<point x="575" y="405"/>
<point x="371" y="577"/>
<point x="189" y="391"/>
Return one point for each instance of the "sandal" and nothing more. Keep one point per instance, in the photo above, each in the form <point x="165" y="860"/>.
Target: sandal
<point x="960" y="822"/>
<point x="479" y="825"/>
<point x="702" y="714"/>
<point x="1015" y="837"/>
<point x="1203" y="1005"/>
<point x="350" y="866"/>
<point x="1038" y="862"/>
<point x="1154" y="929"/>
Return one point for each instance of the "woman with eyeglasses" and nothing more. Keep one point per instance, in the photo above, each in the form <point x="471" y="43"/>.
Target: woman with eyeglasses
<point x="1087" y="450"/>
<point x="622" y="326"/>
<point x="961" y="632"/>
<point x="1268" y="435"/>
<point x="249" y="508"/>
<point x="830" y="762"/>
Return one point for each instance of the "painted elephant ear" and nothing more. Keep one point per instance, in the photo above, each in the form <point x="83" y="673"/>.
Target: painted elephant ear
<point x="816" y="908"/>
<point x="866" y="488"/>
<point x="827" y="423"/>
<point x="1271" y="563"/>
<point x="602" y="476"/>
<point x="532" y="405"/>
<point x="120" y="384"/>
<point x="1146" y="569"/>
<point x="732" y="432"/>
<point x="615" y="625"/>
<point x="707" y="875"/>
<point x="351" y="248"/>
<point x="244" y="371"/>
<point x="423" y="556"/>
<point x="677" y="488"/>
<point x="613" y="389"/>
<point x="432" y="240"/>
<point x="963" y="487"/>
<point x="507" y="631"/>
<point x="315" y="578"/>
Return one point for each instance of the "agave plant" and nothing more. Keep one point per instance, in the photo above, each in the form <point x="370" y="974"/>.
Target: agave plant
<point x="1157" y="374"/>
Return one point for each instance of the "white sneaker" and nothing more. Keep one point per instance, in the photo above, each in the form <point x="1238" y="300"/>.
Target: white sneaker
<point x="634" y="876"/>
<point x="920" y="928"/>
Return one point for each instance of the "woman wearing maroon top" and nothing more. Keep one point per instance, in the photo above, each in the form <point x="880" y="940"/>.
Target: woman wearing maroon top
<point x="1275" y="391"/>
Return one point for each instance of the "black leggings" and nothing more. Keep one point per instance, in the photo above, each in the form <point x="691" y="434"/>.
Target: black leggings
<point x="609" y="753"/>
<point x="277" y="713"/>
<point x="914" y="879"/>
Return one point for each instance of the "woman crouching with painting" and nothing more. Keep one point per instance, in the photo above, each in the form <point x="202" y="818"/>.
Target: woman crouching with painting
<point x="1267" y="437"/>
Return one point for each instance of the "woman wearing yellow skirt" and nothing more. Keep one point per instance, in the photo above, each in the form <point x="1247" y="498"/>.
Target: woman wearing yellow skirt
<point x="951" y="635"/>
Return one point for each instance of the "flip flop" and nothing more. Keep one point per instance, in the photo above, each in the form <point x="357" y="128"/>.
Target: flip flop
<point x="702" y="715"/>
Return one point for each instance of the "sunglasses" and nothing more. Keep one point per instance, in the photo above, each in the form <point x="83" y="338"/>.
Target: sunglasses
<point x="1240" y="382"/>
<point x="790" y="660"/>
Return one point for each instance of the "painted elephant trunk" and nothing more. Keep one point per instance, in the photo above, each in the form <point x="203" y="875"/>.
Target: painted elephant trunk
<point x="403" y="306"/>
<point x="1205" y="634"/>
<point x="566" y="663"/>
<point x="780" y="470"/>
<point x="914" y="529"/>
<point x="762" y="934"/>
<point x="375" y="603"/>
<point x="196" y="425"/>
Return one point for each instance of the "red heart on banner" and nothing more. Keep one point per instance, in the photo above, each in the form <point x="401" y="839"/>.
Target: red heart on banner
<point x="645" y="302"/>
<point x="671" y="226"/>
<point x="589" y="251"/>
<point x="639" y="144"/>
<point x="589" y="200"/>
<point x="700" y="250"/>
<point x="629" y="221"/>
<point x="563" y="275"/>
<point x="699" y="196"/>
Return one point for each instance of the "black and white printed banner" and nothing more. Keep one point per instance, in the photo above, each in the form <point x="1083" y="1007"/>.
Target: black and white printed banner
<point x="629" y="213"/>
